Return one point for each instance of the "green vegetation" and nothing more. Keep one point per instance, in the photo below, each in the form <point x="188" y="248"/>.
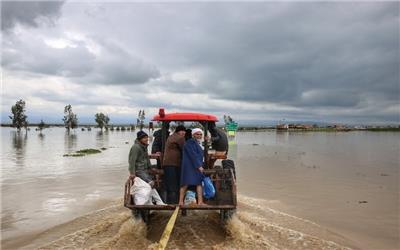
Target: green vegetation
<point x="102" y="120"/>
<point x="18" y="117"/>
<point x="88" y="151"/>
<point x="388" y="129"/>
<point x="70" y="120"/>
<point x="73" y="155"/>
<point x="84" y="152"/>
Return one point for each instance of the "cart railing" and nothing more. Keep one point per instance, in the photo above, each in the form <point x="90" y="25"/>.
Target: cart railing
<point x="218" y="177"/>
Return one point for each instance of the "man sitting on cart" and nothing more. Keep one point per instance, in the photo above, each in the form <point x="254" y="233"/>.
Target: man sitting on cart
<point x="139" y="164"/>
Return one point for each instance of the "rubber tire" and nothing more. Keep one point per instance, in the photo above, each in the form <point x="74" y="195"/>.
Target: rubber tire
<point x="226" y="215"/>
<point x="229" y="164"/>
<point x="141" y="215"/>
<point x="145" y="216"/>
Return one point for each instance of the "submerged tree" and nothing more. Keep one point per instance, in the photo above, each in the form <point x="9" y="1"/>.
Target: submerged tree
<point x="140" y="119"/>
<point x="18" y="117"/>
<point x="41" y="125"/>
<point x="70" y="120"/>
<point x="102" y="120"/>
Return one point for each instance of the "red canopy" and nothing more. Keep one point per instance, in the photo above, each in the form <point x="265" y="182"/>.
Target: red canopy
<point x="185" y="117"/>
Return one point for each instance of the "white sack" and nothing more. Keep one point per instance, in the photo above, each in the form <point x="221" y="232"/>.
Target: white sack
<point x="141" y="192"/>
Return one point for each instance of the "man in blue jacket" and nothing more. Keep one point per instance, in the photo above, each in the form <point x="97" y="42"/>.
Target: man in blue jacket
<point x="192" y="166"/>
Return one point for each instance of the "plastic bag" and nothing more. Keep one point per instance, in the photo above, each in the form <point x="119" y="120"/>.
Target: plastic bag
<point x="141" y="192"/>
<point x="190" y="198"/>
<point x="208" y="188"/>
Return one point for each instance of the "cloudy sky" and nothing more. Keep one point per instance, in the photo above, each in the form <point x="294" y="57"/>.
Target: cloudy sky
<point x="258" y="62"/>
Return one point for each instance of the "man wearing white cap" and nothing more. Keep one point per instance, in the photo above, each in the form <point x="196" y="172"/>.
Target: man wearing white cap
<point x="192" y="166"/>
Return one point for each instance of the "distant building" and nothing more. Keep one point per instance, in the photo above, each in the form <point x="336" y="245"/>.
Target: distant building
<point x="282" y="127"/>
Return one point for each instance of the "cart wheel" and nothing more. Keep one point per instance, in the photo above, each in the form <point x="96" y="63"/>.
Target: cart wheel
<point x="225" y="215"/>
<point x="229" y="164"/>
<point x="145" y="215"/>
<point x="136" y="214"/>
<point x="230" y="213"/>
<point x="141" y="215"/>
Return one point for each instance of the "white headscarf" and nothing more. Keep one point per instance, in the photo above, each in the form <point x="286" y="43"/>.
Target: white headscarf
<point x="196" y="130"/>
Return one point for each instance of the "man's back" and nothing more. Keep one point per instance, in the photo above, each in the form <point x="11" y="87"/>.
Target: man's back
<point x="219" y="140"/>
<point x="173" y="150"/>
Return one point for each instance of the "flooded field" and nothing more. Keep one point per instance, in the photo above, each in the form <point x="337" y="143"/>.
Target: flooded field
<point x="296" y="191"/>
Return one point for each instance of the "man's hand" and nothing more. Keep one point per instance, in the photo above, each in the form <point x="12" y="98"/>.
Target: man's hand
<point x="154" y="170"/>
<point x="132" y="176"/>
<point x="201" y="169"/>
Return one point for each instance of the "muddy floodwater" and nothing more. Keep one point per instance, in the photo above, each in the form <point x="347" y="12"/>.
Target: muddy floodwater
<point x="296" y="190"/>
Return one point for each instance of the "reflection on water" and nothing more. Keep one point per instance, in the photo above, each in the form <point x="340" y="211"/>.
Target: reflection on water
<point x="70" y="141"/>
<point x="282" y="137"/>
<point x="41" y="137"/>
<point x="232" y="150"/>
<point x="57" y="204"/>
<point x="19" y="140"/>
<point x="102" y="139"/>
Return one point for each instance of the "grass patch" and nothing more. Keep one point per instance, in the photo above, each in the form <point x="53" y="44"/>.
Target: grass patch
<point x="73" y="155"/>
<point x="88" y="151"/>
<point x="83" y="152"/>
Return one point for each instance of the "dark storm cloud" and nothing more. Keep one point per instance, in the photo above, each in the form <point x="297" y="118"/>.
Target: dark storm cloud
<point x="277" y="58"/>
<point x="274" y="52"/>
<point x="28" y="13"/>
<point x="306" y="55"/>
<point x="317" y="59"/>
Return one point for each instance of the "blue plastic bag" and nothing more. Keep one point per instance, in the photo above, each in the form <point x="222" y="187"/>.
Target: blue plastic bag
<point x="208" y="188"/>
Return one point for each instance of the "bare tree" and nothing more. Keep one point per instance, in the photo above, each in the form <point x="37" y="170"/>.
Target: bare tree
<point x="41" y="125"/>
<point x="140" y="119"/>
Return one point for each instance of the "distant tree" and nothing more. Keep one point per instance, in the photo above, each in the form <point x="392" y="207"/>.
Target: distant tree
<point x="228" y="119"/>
<point x="18" y="117"/>
<point x="70" y="119"/>
<point x="102" y="120"/>
<point x="41" y="125"/>
<point x="140" y="119"/>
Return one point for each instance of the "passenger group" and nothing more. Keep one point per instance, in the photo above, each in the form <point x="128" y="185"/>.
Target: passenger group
<point x="182" y="163"/>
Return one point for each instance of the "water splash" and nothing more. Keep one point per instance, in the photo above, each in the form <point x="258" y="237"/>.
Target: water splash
<point x="254" y="226"/>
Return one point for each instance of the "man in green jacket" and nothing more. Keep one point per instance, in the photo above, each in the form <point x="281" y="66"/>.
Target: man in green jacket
<point x="139" y="164"/>
<point x="139" y="161"/>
